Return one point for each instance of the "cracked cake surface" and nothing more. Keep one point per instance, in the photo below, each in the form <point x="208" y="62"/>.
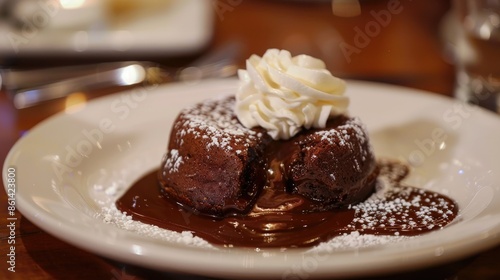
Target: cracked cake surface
<point x="216" y="166"/>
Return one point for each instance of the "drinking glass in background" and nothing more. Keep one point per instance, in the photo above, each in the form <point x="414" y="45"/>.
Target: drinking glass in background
<point x="477" y="52"/>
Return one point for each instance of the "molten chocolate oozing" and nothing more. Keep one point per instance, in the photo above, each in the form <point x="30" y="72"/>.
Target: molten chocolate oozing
<point x="216" y="166"/>
<point x="282" y="219"/>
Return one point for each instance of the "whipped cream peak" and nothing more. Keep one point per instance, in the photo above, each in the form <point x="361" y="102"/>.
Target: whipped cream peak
<point x="285" y="94"/>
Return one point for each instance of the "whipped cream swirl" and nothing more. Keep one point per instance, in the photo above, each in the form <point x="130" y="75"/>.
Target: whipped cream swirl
<point x="284" y="94"/>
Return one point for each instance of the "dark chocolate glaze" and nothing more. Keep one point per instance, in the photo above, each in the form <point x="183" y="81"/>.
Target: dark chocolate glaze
<point x="283" y="219"/>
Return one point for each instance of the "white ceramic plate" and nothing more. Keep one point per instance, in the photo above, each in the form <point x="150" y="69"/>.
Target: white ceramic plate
<point x="453" y="147"/>
<point x="181" y="27"/>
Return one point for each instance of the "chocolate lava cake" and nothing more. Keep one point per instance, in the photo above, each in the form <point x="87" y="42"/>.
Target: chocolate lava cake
<point x="216" y="166"/>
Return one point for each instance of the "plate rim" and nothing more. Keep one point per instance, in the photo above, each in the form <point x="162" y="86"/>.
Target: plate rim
<point x="119" y="254"/>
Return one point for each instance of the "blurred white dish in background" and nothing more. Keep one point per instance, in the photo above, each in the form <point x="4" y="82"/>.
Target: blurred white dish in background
<point x="106" y="28"/>
<point x="59" y="15"/>
<point x="120" y="12"/>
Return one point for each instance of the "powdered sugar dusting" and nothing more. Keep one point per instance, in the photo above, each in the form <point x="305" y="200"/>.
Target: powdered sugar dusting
<point x="341" y="136"/>
<point x="111" y="215"/>
<point x="221" y="130"/>
<point x="213" y="124"/>
<point x="356" y="240"/>
<point x="173" y="160"/>
<point x="218" y="123"/>
<point x="407" y="212"/>
<point x="412" y="209"/>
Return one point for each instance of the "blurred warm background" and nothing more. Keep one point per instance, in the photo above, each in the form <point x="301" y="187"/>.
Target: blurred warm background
<point x="401" y="42"/>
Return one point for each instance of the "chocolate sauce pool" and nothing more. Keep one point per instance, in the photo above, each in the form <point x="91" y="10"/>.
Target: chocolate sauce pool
<point x="279" y="220"/>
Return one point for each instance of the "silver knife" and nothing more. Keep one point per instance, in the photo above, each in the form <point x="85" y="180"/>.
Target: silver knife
<point x="30" y="87"/>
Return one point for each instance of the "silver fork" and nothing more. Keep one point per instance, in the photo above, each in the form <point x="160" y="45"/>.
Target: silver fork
<point x="31" y="87"/>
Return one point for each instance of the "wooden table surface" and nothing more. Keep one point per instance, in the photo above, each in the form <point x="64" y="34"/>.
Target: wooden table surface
<point x="403" y="49"/>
